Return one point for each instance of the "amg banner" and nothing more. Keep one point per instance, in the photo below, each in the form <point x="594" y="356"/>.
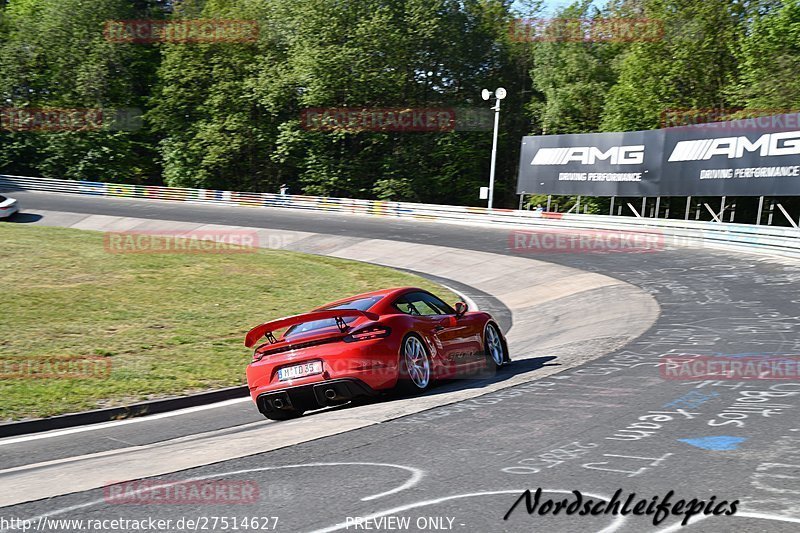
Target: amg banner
<point x="747" y="157"/>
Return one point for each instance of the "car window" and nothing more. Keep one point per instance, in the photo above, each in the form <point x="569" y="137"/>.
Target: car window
<point x="422" y="304"/>
<point x="362" y="304"/>
<point x="2" y="199"/>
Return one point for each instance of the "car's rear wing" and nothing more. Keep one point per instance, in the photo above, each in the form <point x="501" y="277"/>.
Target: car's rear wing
<point x="266" y="329"/>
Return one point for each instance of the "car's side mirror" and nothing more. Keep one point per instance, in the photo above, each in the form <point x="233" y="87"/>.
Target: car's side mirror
<point x="461" y="308"/>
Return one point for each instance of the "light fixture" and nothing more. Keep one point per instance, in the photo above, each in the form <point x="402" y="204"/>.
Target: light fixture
<point x="499" y="94"/>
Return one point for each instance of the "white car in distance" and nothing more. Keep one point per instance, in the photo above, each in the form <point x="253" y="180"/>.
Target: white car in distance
<point x="8" y="206"/>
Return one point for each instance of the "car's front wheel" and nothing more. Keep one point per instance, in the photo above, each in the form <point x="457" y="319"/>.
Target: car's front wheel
<point x="494" y="348"/>
<point x="415" y="365"/>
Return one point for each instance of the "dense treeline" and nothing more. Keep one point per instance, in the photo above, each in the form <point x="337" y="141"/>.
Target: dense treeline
<point x="228" y="114"/>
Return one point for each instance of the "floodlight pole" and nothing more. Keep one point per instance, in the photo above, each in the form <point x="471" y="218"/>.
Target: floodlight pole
<point x="494" y="151"/>
<point x="499" y="94"/>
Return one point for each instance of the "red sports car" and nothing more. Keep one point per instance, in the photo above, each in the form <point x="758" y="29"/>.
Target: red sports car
<point x="365" y="344"/>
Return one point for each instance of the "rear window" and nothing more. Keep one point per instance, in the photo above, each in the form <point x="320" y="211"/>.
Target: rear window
<point x="2" y="198"/>
<point x="362" y="304"/>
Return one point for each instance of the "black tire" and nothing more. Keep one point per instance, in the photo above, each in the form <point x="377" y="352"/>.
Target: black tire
<point x="494" y="348"/>
<point x="284" y="414"/>
<point x="412" y="381"/>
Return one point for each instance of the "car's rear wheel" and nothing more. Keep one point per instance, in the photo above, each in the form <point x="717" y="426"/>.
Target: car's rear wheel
<point x="416" y="369"/>
<point x="494" y="348"/>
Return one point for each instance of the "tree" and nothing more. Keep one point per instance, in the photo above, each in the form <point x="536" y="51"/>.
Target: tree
<point x="54" y="55"/>
<point x="216" y="131"/>
<point x="407" y="54"/>
<point x="692" y="66"/>
<point x="573" y="75"/>
<point x="769" y="58"/>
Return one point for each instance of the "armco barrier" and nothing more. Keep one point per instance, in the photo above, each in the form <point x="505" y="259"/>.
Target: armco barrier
<point x="743" y="237"/>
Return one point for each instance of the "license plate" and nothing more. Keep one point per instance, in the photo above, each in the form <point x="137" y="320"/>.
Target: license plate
<point x="299" y="371"/>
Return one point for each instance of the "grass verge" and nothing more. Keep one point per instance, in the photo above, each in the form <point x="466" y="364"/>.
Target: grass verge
<point x="165" y="324"/>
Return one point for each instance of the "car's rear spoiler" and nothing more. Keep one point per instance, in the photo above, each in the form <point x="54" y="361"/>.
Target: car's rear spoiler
<point x="339" y="315"/>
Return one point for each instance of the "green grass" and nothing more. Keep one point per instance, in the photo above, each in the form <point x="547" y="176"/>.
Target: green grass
<point x="170" y="324"/>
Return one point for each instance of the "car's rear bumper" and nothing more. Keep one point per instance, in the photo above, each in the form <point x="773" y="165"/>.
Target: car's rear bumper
<point x="372" y="362"/>
<point x="9" y="210"/>
<point x="313" y="395"/>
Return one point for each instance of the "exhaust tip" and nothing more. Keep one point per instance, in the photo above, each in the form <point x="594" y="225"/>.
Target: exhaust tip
<point x="330" y="394"/>
<point x="277" y="403"/>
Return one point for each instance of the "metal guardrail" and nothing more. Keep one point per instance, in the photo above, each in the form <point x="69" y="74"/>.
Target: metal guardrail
<point x="690" y="233"/>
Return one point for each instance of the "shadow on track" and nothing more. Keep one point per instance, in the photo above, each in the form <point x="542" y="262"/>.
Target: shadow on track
<point x="452" y="385"/>
<point x="23" y="218"/>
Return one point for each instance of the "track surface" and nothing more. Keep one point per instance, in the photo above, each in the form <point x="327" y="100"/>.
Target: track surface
<point x="466" y="464"/>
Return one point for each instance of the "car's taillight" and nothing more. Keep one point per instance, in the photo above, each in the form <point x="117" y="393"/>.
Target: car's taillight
<point x="367" y="333"/>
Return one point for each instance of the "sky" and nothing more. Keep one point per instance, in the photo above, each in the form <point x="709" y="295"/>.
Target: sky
<point x="550" y="6"/>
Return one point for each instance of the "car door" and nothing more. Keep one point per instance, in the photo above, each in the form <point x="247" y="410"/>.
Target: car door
<point x="455" y="338"/>
<point x="464" y="335"/>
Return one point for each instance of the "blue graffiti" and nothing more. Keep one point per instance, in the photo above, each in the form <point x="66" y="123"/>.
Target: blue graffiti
<point x="691" y="400"/>
<point x="721" y="443"/>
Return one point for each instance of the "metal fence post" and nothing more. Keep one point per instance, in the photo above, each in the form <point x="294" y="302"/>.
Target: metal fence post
<point x="770" y="212"/>
<point x="760" y="208"/>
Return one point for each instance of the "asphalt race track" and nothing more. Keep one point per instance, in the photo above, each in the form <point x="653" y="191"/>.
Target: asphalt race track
<point x="618" y="422"/>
